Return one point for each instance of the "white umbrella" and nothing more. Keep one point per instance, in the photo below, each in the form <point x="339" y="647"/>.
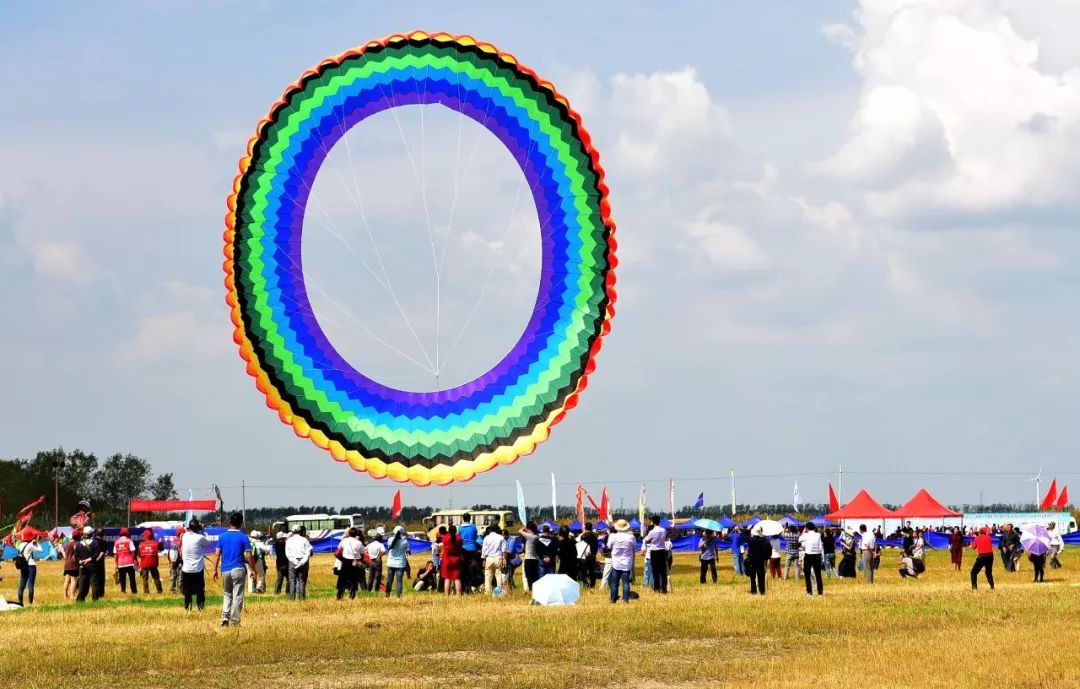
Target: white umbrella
<point x="555" y="589"/>
<point x="769" y="527"/>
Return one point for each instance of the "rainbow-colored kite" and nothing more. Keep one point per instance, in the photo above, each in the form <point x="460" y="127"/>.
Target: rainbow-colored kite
<point x="422" y="437"/>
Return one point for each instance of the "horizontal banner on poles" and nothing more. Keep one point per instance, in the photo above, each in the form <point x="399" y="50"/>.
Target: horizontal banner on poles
<point x="173" y="505"/>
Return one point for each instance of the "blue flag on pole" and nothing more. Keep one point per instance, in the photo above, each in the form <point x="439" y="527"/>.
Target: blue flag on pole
<point x="699" y="504"/>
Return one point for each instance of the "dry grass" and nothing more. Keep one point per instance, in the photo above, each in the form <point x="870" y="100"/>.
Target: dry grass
<point x="929" y="633"/>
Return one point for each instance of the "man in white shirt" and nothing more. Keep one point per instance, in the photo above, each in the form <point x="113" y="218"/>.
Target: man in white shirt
<point x="298" y="553"/>
<point x="656" y="542"/>
<point x="492" y="552"/>
<point x="193" y="544"/>
<point x="375" y="552"/>
<point x="622" y="546"/>
<point x="1057" y="544"/>
<point x="867" y="548"/>
<point x="351" y="556"/>
<point x="810" y="541"/>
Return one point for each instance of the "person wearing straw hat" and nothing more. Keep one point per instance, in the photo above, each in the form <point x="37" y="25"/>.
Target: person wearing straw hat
<point x="622" y="545"/>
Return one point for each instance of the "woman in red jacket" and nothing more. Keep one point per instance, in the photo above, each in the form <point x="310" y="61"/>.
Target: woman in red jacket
<point x="452" y="561"/>
<point x="956" y="548"/>
<point x="984" y="549"/>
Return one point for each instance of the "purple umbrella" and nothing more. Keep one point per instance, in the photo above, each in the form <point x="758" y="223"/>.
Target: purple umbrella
<point x="1035" y="539"/>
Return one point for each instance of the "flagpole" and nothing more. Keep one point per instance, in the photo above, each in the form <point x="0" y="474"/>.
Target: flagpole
<point x="733" y="494"/>
<point x="840" y="494"/>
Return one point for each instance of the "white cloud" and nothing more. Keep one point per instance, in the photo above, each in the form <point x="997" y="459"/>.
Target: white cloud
<point x="65" y="261"/>
<point x="176" y="336"/>
<point x="727" y="247"/>
<point x="957" y="111"/>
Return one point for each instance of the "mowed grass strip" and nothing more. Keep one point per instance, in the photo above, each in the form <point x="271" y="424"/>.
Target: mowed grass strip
<point x="933" y="632"/>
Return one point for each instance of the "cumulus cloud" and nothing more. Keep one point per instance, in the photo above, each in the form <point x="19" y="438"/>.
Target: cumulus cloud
<point x="957" y="110"/>
<point x="726" y="247"/>
<point x="64" y="261"/>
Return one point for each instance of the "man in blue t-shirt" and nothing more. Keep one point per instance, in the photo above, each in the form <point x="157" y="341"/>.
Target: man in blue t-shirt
<point x="234" y="550"/>
<point x="468" y="534"/>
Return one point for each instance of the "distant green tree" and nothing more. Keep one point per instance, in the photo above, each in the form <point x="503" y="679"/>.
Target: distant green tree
<point x="162" y="487"/>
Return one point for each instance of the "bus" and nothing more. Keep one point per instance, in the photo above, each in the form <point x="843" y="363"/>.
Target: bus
<point x="504" y="519"/>
<point x="320" y="526"/>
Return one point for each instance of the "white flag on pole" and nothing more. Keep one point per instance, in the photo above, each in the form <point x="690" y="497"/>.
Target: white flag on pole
<point x="796" y="501"/>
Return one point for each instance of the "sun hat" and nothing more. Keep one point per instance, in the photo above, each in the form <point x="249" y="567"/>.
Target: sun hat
<point x="622" y="525"/>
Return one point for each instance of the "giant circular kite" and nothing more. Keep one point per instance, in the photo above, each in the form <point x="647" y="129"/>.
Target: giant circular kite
<point x="446" y="435"/>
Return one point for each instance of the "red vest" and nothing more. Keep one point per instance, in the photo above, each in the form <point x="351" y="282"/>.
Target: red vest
<point x="148" y="554"/>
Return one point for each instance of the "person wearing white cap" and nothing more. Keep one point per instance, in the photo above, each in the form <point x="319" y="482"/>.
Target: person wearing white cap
<point x="1057" y="544"/>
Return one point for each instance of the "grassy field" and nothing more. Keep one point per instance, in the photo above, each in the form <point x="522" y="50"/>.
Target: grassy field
<point x="929" y="633"/>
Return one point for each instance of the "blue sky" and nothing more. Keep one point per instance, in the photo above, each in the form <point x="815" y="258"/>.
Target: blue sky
<point x="848" y="232"/>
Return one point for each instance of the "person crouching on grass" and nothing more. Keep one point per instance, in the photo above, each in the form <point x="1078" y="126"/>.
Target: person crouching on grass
<point x="234" y="551"/>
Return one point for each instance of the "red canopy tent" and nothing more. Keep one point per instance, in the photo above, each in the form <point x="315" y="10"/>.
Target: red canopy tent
<point x="862" y="506"/>
<point x="925" y="505"/>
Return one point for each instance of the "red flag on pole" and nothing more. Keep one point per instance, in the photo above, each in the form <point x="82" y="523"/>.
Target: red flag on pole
<point x="1051" y="496"/>
<point x="596" y="508"/>
<point x="605" y="506"/>
<point x="834" y="504"/>
<point x="580" y="505"/>
<point x="395" y="508"/>
<point x="1063" y="499"/>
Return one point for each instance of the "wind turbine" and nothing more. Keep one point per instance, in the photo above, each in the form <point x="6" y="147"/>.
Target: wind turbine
<point x="1037" y="478"/>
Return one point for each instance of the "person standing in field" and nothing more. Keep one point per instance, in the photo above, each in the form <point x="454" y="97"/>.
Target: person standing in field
<point x="622" y="546"/>
<point x="101" y="550"/>
<point x="758" y="553"/>
<point x="589" y="566"/>
<point x="656" y="542"/>
<point x="867" y="548"/>
<point x="84" y="555"/>
<point x="375" y="552"/>
<point x="397" y="560"/>
<point x="148" y="561"/>
<point x="812" y="551"/>
<point x="646" y="563"/>
<point x="493" y="554"/>
<point x="452" y="561"/>
<point x="956" y="548"/>
<point x="708" y="555"/>
<point x="530" y="556"/>
<point x="281" y="563"/>
<point x="175" y="561"/>
<point x="1009" y="545"/>
<point x="31" y="551"/>
<point x="791" y="552"/>
<point x="1057" y="544"/>
<point x="350" y="553"/>
<point x="193" y="546"/>
<point x="828" y="552"/>
<point x="776" y="571"/>
<point x="470" y="550"/>
<point x="124" y="555"/>
<point x="567" y="549"/>
<point x="984" y="560"/>
<point x="298" y="555"/>
<point x="547" y="550"/>
<point x="735" y="536"/>
<point x="232" y="560"/>
<point x="512" y="558"/>
<point x="71" y="565"/>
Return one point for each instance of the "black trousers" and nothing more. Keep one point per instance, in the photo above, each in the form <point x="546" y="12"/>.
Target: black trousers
<point x="588" y="574"/>
<point x="127" y="574"/>
<point x="812" y="562"/>
<point x="532" y="571"/>
<point x="1039" y="563"/>
<point x="194" y="586"/>
<point x="983" y="562"/>
<point x="659" y="570"/>
<point x="347" y="579"/>
<point x="756" y="571"/>
<point x="282" y="578"/>
<point x="98" y="583"/>
<point x="83" y="585"/>
<point x="707" y="565"/>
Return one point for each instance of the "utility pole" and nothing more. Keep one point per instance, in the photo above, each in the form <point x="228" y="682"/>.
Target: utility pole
<point x="840" y="495"/>
<point x="733" y="493"/>
<point x="58" y="464"/>
<point x="243" y="500"/>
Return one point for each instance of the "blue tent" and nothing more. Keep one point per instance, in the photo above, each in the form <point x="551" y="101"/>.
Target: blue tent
<point x="550" y="524"/>
<point x="635" y="524"/>
<point x="820" y="521"/>
<point x="750" y="522"/>
<point x="601" y="526"/>
<point x="576" y="526"/>
<point x="788" y="520"/>
<point x="725" y="522"/>
<point x="665" y="523"/>
<point x="684" y="526"/>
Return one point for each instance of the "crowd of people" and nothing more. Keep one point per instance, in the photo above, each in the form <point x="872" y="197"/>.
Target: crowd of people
<point x="464" y="560"/>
